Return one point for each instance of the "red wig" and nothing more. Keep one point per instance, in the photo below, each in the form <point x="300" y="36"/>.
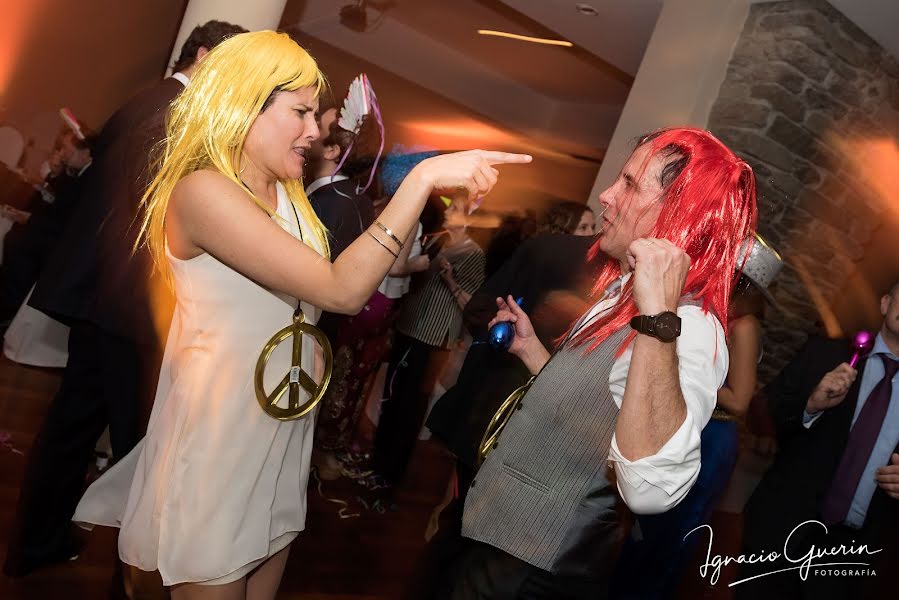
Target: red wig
<point x="708" y="209"/>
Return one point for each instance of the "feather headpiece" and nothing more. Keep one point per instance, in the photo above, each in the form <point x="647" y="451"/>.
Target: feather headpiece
<point x="359" y="103"/>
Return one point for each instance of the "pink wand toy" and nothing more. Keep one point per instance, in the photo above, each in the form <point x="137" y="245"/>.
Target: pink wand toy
<point x="862" y="343"/>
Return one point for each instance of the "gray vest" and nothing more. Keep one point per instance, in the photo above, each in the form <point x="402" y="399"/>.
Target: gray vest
<point x="546" y="493"/>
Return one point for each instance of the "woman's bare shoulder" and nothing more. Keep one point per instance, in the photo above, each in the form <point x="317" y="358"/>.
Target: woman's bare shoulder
<point x="204" y="183"/>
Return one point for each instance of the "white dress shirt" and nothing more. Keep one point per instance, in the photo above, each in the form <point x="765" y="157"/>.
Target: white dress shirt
<point x="395" y="287"/>
<point x="312" y="187"/>
<point x="184" y="79"/>
<point x="655" y="484"/>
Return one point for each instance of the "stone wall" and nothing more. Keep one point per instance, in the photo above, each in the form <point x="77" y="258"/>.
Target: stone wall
<point x="804" y="90"/>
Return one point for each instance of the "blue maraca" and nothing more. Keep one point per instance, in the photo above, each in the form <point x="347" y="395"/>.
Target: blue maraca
<point x="501" y="334"/>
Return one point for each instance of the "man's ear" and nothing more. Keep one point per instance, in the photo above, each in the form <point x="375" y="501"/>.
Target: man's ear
<point x="331" y="152"/>
<point x="201" y="52"/>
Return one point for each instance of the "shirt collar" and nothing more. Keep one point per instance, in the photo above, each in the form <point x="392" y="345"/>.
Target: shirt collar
<point x="184" y="79"/>
<point x="880" y="347"/>
<point x="614" y="289"/>
<point x="321" y="181"/>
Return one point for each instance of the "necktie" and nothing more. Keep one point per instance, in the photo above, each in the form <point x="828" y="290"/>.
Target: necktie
<point x="858" y="449"/>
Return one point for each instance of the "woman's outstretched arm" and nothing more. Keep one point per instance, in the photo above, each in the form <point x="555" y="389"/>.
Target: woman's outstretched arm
<point x="211" y="214"/>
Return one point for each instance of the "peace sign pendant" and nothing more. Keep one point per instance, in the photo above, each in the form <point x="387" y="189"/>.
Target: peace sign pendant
<point x="296" y="378"/>
<point x="501" y="419"/>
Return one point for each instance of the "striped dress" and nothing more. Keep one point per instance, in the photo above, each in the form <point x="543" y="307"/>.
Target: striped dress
<point x="430" y="313"/>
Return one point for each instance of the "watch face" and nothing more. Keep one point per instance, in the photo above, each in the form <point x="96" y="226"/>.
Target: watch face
<point x="667" y="326"/>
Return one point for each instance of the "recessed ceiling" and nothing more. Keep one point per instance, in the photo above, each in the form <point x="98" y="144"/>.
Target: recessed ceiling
<point x="618" y="32"/>
<point x="567" y="98"/>
<point x="567" y="74"/>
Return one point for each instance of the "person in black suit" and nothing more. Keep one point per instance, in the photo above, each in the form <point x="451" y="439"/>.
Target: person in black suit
<point x="346" y="213"/>
<point x="97" y="285"/>
<point x="27" y="245"/>
<point x="838" y="466"/>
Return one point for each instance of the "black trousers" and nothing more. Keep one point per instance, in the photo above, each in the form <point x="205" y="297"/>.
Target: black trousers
<point x="487" y="573"/>
<point x="403" y="413"/>
<point x="100" y="387"/>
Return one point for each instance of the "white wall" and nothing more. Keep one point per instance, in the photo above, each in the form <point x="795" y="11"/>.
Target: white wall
<point x="678" y="80"/>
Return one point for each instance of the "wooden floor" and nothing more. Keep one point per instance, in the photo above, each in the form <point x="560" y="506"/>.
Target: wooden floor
<point x="368" y="557"/>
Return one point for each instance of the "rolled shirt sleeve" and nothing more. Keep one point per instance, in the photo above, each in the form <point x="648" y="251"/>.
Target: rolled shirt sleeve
<point x="655" y="484"/>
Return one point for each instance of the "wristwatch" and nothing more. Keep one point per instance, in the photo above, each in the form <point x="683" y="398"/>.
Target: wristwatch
<point x="663" y="326"/>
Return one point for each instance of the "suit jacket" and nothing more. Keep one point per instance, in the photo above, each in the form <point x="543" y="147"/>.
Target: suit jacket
<point x="344" y="213"/>
<point x="27" y="246"/>
<point x="794" y="487"/>
<point x="92" y="275"/>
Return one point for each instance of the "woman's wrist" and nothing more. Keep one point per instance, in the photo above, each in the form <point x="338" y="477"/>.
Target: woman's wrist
<point x="420" y="180"/>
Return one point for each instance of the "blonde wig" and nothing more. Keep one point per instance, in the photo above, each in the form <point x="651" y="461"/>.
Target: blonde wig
<point x="209" y="121"/>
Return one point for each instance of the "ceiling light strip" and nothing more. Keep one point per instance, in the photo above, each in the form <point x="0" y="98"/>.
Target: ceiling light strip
<point x="525" y="38"/>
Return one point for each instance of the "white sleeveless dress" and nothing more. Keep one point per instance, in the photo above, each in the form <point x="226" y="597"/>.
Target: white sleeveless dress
<point x="217" y="485"/>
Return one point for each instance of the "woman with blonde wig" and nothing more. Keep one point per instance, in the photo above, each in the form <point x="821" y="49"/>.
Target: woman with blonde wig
<point x="215" y="493"/>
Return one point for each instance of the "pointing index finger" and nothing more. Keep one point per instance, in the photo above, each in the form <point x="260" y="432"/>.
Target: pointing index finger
<point x="499" y="158"/>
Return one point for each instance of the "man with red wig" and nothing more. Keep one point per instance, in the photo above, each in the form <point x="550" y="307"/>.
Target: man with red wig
<point x="622" y="400"/>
